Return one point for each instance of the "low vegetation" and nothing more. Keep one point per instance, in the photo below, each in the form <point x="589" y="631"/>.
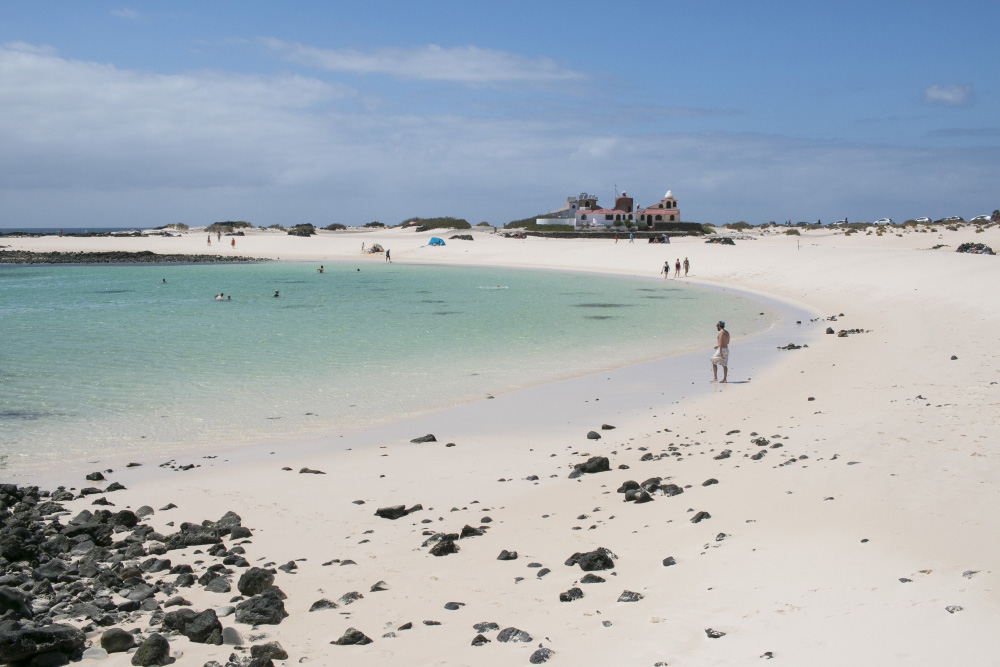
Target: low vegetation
<point x="228" y="226"/>
<point x="302" y="230"/>
<point x="446" y="222"/>
<point x="335" y="227"/>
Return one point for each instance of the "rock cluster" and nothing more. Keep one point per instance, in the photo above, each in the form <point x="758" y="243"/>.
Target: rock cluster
<point x="103" y="569"/>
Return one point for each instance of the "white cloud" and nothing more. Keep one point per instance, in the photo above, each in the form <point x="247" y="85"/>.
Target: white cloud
<point x="88" y="143"/>
<point x="465" y="64"/>
<point x="952" y="95"/>
<point x="129" y="14"/>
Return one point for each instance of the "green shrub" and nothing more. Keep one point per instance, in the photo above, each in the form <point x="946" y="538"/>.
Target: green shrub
<point x="438" y="223"/>
<point x="739" y="226"/>
<point x="374" y="223"/>
<point x="792" y="232"/>
<point x="335" y="226"/>
<point x="302" y="230"/>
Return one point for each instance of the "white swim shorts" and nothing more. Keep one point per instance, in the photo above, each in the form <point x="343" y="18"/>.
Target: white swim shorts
<point x="721" y="357"/>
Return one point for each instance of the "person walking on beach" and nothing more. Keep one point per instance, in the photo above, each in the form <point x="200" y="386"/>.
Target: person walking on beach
<point x="666" y="270"/>
<point x="234" y="244"/>
<point x="721" y="356"/>
<point x="616" y="239"/>
<point x="687" y="265"/>
<point x="209" y="239"/>
<point x="677" y="268"/>
<point x="220" y="235"/>
<point x="631" y="238"/>
<point x="387" y="258"/>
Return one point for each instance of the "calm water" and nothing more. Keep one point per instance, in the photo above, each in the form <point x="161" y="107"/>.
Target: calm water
<point x="102" y="360"/>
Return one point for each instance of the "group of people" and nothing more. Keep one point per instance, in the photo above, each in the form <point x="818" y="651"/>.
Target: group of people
<point x="677" y="268"/>
<point x="219" y="238"/>
<point x="218" y="297"/>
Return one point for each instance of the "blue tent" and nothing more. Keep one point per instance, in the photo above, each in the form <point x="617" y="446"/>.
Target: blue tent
<point x="436" y="241"/>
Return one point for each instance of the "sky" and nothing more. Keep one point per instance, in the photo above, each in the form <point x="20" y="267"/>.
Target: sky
<point x="149" y="113"/>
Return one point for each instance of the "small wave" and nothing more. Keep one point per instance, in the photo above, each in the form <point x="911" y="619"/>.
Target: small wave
<point x="493" y="287"/>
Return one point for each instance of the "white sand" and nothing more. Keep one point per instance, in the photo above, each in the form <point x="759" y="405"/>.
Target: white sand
<point x="901" y="446"/>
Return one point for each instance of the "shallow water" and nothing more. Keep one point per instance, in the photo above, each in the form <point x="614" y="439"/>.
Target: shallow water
<point x="111" y="360"/>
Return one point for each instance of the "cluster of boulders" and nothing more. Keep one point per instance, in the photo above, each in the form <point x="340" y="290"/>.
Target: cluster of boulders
<point x="65" y="579"/>
<point x="975" y="249"/>
<point x="721" y="240"/>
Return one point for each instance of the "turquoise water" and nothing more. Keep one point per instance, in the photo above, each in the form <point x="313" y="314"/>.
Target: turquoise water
<point x="99" y="361"/>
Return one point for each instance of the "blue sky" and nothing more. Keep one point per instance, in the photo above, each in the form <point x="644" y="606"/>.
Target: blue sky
<point x="117" y="114"/>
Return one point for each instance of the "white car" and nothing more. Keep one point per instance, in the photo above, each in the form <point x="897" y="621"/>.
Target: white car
<point x="982" y="218"/>
<point x="883" y="221"/>
<point x="923" y="221"/>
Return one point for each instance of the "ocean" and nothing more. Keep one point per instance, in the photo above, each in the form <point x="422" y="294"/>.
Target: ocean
<point x="143" y="361"/>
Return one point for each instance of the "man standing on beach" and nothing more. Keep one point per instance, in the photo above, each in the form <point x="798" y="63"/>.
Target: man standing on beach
<point x="687" y="265"/>
<point x="721" y="356"/>
<point x="387" y="258"/>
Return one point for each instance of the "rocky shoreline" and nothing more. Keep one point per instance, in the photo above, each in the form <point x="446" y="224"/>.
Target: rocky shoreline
<point x="115" y="257"/>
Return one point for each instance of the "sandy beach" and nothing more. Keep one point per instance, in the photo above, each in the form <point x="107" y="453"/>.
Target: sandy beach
<point x="846" y="492"/>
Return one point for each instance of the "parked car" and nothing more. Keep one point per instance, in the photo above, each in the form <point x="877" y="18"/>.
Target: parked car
<point x="924" y="221"/>
<point x="982" y="218"/>
<point x="883" y="221"/>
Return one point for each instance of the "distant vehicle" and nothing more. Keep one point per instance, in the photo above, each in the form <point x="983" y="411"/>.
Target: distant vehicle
<point x="982" y="218"/>
<point x="925" y="221"/>
<point x="841" y="222"/>
<point x="883" y="221"/>
<point x="953" y="218"/>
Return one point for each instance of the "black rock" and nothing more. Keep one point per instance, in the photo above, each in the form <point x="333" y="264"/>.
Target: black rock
<point x="710" y="482"/>
<point x="396" y="511"/>
<point x="196" y="627"/>
<point x="591" y="578"/>
<point x="479" y="640"/>
<point x="724" y="454"/>
<point x="598" y="559"/>
<point x="629" y="596"/>
<point x="24" y="643"/>
<point x="454" y="606"/>
<point x="15" y="600"/>
<point x="191" y="535"/>
<point x="594" y="464"/>
<point x="513" y="635"/>
<point x="700" y="516"/>
<point x="570" y="595"/>
<point x="830" y="330"/>
<point x="154" y="651"/>
<point x="628" y="485"/>
<point x="424" y="438"/>
<point x="651" y="484"/>
<point x="264" y="609"/>
<point x="310" y="471"/>
<point x="668" y="561"/>
<point x="593" y="435"/>
<point x="607" y="427"/>
<point x="714" y="634"/>
<point x="444" y="547"/>
<point x="270" y="650"/>
<point x="254" y="581"/>
<point x="507" y="555"/>
<point x="540" y="656"/>
<point x="323" y="604"/>
<point x="117" y="640"/>
<point x="485" y="626"/>
<point x="671" y="490"/>
<point x="348" y="598"/>
<point x="352" y="637"/>
<point x="95" y="477"/>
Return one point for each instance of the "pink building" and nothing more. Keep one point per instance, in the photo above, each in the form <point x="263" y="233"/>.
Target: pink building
<point x="665" y="211"/>
<point x="623" y="214"/>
